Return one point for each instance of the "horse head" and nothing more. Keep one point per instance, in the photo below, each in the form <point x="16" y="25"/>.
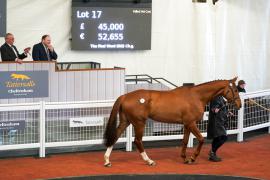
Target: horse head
<point x="231" y="93"/>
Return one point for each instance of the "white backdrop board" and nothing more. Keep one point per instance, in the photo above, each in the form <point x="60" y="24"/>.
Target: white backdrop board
<point x="191" y="42"/>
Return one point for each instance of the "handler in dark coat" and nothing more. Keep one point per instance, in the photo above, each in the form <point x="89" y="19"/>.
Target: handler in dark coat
<point x="218" y="117"/>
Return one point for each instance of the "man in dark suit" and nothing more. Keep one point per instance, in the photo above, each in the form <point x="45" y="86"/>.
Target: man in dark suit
<point x="44" y="50"/>
<point x="9" y="52"/>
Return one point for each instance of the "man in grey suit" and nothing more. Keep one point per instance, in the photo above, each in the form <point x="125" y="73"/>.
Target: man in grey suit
<point x="9" y="52"/>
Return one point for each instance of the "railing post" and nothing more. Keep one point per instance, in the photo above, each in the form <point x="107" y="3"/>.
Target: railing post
<point x="42" y="130"/>
<point x="240" y="121"/>
<point x="190" y="140"/>
<point x="129" y="138"/>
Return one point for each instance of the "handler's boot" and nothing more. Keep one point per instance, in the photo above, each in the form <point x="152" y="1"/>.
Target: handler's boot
<point x="213" y="157"/>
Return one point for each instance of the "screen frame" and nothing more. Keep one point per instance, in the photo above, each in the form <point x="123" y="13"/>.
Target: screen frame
<point x="111" y="4"/>
<point x="3" y="18"/>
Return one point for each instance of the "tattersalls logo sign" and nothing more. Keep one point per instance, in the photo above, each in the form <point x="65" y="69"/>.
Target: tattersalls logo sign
<point x="23" y="84"/>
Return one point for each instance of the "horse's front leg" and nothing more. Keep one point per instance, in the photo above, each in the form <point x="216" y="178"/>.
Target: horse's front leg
<point x="195" y="131"/>
<point x="185" y="142"/>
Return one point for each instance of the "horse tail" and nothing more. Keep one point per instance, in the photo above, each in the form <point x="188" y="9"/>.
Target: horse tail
<point x="110" y="132"/>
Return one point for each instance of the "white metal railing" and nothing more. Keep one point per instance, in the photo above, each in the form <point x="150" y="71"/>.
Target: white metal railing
<point x="47" y="124"/>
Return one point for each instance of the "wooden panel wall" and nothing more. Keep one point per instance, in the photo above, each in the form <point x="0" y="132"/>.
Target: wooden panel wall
<point x="84" y="85"/>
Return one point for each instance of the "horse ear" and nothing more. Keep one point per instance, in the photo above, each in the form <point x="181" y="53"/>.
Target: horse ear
<point x="234" y="79"/>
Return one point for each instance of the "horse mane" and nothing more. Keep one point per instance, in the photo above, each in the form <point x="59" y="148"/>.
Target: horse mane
<point x="209" y="82"/>
<point x="202" y="84"/>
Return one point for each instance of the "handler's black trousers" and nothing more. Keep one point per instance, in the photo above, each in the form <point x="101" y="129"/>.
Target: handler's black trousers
<point x="217" y="142"/>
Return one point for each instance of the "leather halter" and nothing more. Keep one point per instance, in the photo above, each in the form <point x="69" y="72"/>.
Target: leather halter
<point x="231" y="89"/>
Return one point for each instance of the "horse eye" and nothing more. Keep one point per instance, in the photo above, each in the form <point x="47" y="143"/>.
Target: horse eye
<point x="236" y="90"/>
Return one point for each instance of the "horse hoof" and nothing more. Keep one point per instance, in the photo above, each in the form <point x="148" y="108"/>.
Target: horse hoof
<point x="152" y="163"/>
<point x="189" y="161"/>
<point x="108" y="164"/>
<point x="186" y="161"/>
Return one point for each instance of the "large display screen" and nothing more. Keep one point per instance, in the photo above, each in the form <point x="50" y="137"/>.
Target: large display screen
<point x="111" y="25"/>
<point x="3" y="11"/>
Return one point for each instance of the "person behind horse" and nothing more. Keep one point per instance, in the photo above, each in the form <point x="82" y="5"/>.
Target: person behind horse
<point x="241" y="86"/>
<point x="218" y="118"/>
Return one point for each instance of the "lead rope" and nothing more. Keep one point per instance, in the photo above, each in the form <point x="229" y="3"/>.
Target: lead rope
<point x="251" y="101"/>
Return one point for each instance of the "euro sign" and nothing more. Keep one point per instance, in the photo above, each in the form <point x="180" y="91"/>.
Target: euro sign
<point x="82" y="35"/>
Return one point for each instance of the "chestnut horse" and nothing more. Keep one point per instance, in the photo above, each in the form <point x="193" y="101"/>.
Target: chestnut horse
<point x="182" y="105"/>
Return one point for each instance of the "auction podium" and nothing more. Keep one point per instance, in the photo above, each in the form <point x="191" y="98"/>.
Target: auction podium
<point x="60" y="85"/>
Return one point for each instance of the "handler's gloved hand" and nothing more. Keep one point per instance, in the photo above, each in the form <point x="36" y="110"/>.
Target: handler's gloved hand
<point x="230" y="114"/>
<point x="216" y="110"/>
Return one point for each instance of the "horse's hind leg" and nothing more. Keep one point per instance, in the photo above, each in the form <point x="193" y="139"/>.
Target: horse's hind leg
<point x="196" y="132"/>
<point x="120" y="129"/>
<point x="139" y="128"/>
<point x="185" y="142"/>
